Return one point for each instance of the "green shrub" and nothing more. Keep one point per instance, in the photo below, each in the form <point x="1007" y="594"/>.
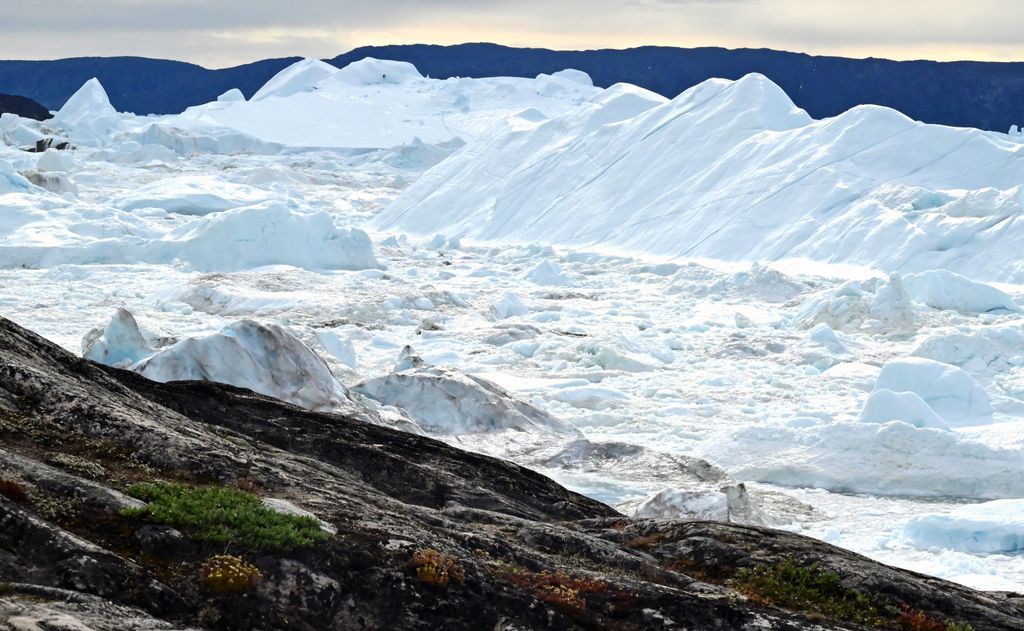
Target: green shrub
<point x="791" y="586"/>
<point x="223" y="515"/>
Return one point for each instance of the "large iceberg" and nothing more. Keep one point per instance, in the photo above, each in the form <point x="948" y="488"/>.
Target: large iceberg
<point x="733" y="170"/>
<point x="86" y="107"/>
<point x="264" y="358"/>
<point x="448" y="401"/>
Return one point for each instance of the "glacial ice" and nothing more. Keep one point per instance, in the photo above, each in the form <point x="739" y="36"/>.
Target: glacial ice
<point x="264" y="358"/>
<point x="948" y="390"/>
<point x="988" y="528"/>
<point x="447" y="401"/>
<point x="302" y="76"/>
<point x="633" y="364"/>
<point x="759" y="179"/>
<point x="120" y="343"/>
<point x="11" y="181"/>
<point x="192" y="195"/>
<point x="892" y="458"/>
<point x="233" y="95"/>
<point x="251" y="236"/>
<point x="885" y="405"/>
<point x="943" y="289"/>
<point x="88" y="114"/>
<point x="370" y="71"/>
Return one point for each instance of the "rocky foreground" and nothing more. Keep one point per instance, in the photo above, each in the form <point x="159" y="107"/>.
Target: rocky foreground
<point x="313" y="521"/>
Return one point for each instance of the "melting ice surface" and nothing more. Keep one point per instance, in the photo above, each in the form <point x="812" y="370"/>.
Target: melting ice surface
<point x="843" y="361"/>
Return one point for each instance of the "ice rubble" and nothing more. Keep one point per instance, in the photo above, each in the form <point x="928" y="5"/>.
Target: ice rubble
<point x="733" y="170"/>
<point x="892" y="458"/>
<point x="379" y="104"/>
<point x="271" y="233"/>
<point x="11" y="181"/>
<point x="191" y="195"/>
<point x="942" y="289"/>
<point x="901" y="443"/>
<point x="989" y="528"/>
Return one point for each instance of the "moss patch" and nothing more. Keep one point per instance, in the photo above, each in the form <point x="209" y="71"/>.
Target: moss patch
<point x="224" y="516"/>
<point x="791" y="586"/>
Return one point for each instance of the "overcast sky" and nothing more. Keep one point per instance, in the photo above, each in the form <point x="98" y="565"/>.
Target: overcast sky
<point x="218" y="33"/>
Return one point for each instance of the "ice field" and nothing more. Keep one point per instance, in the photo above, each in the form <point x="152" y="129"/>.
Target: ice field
<point x="705" y="307"/>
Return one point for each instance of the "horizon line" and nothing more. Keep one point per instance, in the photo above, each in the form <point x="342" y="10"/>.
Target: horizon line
<point x="557" y="50"/>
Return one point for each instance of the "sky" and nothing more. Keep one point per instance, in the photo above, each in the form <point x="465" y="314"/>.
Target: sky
<point x="220" y="33"/>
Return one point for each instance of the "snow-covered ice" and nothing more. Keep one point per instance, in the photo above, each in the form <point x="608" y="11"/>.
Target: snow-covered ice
<point x="639" y="297"/>
<point x="990" y="527"/>
<point x="733" y="170"/>
<point x="946" y="389"/>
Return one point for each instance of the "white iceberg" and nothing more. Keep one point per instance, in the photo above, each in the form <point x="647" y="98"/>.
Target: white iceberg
<point x="948" y="390"/>
<point x="989" y="528"/>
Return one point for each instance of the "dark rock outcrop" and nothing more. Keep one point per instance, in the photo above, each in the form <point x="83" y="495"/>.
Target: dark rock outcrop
<point x="22" y="106"/>
<point x="523" y="552"/>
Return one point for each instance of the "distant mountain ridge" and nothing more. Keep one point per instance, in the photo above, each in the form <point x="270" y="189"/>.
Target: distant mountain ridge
<point x="987" y="95"/>
<point x="22" y="106"/>
<point x="134" y="84"/>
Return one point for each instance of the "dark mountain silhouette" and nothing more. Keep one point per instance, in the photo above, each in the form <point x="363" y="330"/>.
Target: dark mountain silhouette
<point x="972" y="94"/>
<point x="134" y="84"/>
<point x="22" y="106"/>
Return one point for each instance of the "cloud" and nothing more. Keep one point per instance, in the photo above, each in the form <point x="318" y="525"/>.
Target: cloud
<point x="224" y="32"/>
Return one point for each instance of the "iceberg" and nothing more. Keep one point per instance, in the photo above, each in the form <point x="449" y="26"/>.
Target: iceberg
<point x="733" y="170"/>
<point x="988" y="528"/>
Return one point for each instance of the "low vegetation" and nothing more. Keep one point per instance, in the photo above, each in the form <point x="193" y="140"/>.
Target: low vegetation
<point x="792" y="586"/>
<point x="13" y="490"/>
<point x="912" y="620"/>
<point x="555" y="588"/>
<point x="226" y="573"/>
<point x="224" y="516"/>
<point x="434" y="568"/>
